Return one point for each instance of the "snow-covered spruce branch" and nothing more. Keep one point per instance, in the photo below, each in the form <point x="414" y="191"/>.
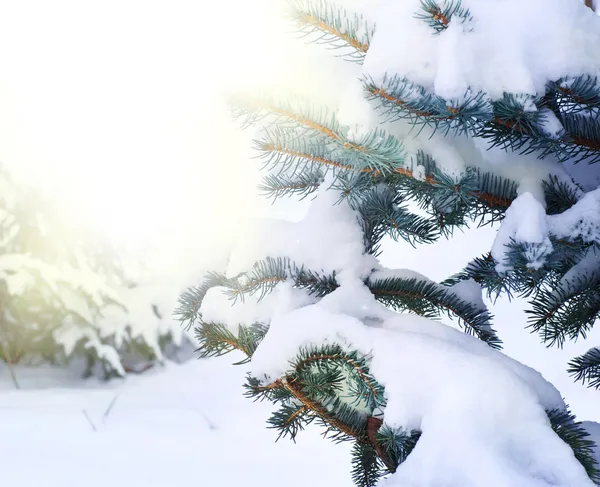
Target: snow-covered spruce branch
<point x="313" y="388"/>
<point x="216" y="339"/>
<point x="517" y="123"/>
<point x="381" y="157"/>
<point x="399" y="289"/>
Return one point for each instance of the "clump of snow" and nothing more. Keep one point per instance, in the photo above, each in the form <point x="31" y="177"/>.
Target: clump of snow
<point x="550" y="124"/>
<point x="217" y="307"/>
<point x="582" y="220"/>
<point x="524" y="222"/>
<point x="327" y="239"/>
<point x="469" y="291"/>
<point x="419" y="172"/>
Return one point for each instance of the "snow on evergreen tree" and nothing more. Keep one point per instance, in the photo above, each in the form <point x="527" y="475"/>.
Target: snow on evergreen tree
<point x="64" y="292"/>
<point x="458" y="112"/>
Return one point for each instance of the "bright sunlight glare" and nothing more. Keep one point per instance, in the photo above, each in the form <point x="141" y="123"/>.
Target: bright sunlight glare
<point x="117" y="109"/>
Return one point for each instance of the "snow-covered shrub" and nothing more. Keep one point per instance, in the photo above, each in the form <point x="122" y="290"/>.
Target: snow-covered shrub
<point x="65" y="293"/>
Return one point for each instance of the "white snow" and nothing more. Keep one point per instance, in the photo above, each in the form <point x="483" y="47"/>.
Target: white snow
<point x="551" y="124"/>
<point x="176" y="426"/>
<point x="469" y="291"/>
<point x="327" y="239"/>
<point x="217" y="307"/>
<point x="582" y="220"/>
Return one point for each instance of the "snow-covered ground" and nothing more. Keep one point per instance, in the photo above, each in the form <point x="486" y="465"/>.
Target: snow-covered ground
<point x="183" y="425"/>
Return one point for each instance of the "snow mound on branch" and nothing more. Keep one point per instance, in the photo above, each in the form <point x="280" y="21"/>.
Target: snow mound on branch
<point x="327" y="239"/>
<point x="512" y="46"/>
<point x="581" y="220"/>
<point x="216" y="306"/>
<point x="482" y="414"/>
<point x="524" y="222"/>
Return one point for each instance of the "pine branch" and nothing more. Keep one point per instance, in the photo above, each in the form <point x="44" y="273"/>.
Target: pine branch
<point x="315" y="284"/>
<point x="397" y="443"/>
<point x="303" y="184"/>
<point x="296" y="391"/>
<point x="429" y="299"/>
<point x="399" y="98"/>
<point x="322" y="359"/>
<point x="382" y="207"/>
<point x="475" y="196"/>
<point x="375" y="152"/>
<point x="560" y="195"/>
<point x="580" y="94"/>
<point x="522" y="280"/>
<point x="333" y="26"/>
<point x="292" y="112"/>
<point x="298" y="119"/>
<point x="568" y="309"/>
<point x="573" y="434"/>
<point x="586" y="368"/>
<point x="293" y="418"/>
<point x="378" y="155"/>
<point x="515" y="123"/>
<point x="190" y="300"/>
<point x="367" y="467"/>
<point x="314" y="388"/>
<point x="217" y="339"/>
<point x="264" y="277"/>
<point x="274" y="392"/>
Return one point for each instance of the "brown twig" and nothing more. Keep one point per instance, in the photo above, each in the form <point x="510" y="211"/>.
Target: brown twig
<point x="487" y="197"/>
<point x="369" y="436"/>
<point x="373" y="426"/>
<point x="317" y="23"/>
<point x="296" y="390"/>
<point x="13" y="376"/>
